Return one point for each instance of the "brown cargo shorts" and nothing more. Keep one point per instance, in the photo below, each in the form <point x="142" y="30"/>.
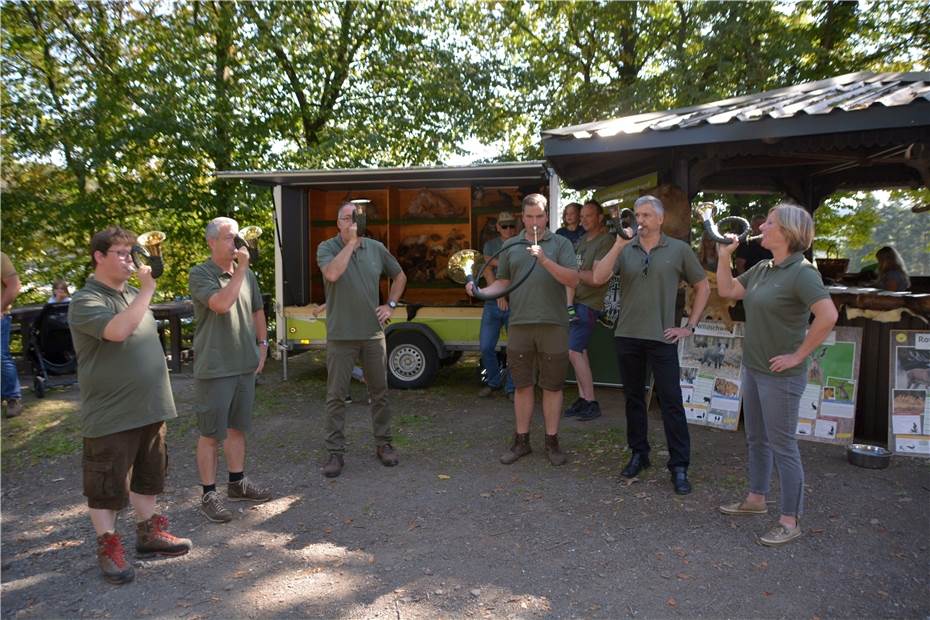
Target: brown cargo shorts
<point x="113" y="465"/>
<point x="539" y="350"/>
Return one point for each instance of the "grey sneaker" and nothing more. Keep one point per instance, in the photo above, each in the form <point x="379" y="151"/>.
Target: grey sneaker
<point x="779" y="535"/>
<point x="213" y="509"/>
<point x="14" y="407"/>
<point x="247" y="491"/>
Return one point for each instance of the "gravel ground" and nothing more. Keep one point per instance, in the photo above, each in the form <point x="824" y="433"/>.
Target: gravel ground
<point x="451" y="533"/>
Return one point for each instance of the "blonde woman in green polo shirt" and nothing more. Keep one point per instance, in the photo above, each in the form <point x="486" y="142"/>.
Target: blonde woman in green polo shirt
<point x="779" y="296"/>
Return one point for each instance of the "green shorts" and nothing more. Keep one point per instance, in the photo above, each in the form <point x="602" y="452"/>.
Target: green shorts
<point x="538" y="350"/>
<point x="225" y="402"/>
<point x="137" y="456"/>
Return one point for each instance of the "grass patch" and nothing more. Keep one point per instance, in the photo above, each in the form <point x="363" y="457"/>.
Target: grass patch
<point x="48" y="428"/>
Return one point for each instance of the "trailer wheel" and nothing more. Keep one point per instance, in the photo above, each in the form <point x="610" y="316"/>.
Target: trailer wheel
<point x="412" y="360"/>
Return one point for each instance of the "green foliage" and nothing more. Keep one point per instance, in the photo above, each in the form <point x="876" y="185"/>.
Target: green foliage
<point x="120" y="112"/>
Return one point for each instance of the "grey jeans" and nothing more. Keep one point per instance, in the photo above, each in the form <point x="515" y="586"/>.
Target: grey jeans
<point x="770" y="409"/>
<point x="340" y="359"/>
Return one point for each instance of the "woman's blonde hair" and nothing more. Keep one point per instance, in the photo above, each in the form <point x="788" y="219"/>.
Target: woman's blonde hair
<point x="796" y="225"/>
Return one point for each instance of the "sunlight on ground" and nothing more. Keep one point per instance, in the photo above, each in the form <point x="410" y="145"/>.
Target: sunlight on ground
<point x="328" y="552"/>
<point x="26" y="582"/>
<point x="422" y="598"/>
<point x="275" y="507"/>
<point x="313" y="585"/>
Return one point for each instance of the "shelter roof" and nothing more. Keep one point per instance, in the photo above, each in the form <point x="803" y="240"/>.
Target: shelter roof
<point x="827" y="132"/>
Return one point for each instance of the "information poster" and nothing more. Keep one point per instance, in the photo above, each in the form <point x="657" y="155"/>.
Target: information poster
<point x="909" y="407"/>
<point x="828" y="405"/>
<point x="711" y="362"/>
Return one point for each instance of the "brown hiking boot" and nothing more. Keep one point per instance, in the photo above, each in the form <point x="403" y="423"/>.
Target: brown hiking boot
<point x="14" y="407"/>
<point x="556" y="456"/>
<point x="213" y="509"/>
<point x="387" y="455"/>
<point x="112" y="560"/>
<point x="153" y="538"/>
<point x="519" y="449"/>
<point x="247" y="491"/>
<point x="333" y="466"/>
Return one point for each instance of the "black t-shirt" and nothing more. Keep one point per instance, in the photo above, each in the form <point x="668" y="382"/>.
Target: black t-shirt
<point x="752" y="253"/>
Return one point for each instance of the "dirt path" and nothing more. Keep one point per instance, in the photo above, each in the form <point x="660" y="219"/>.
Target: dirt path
<point x="452" y="533"/>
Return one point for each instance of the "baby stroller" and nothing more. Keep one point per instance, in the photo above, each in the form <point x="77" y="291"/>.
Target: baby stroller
<point x="50" y="349"/>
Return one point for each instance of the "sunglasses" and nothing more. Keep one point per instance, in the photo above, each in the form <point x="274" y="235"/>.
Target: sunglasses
<point x="508" y="225"/>
<point x="646" y="266"/>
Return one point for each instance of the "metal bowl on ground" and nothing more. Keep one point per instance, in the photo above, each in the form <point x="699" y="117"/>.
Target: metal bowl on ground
<point x="868" y="456"/>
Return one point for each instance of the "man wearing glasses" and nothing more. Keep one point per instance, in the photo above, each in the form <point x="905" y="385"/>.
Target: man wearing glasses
<point x="125" y="400"/>
<point x="496" y="313"/>
<point x="650" y="266"/>
<point x="352" y="268"/>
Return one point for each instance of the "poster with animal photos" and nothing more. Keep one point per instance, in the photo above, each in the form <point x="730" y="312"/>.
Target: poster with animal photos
<point x="909" y="387"/>
<point x="711" y="362"/>
<point x="828" y="405"/>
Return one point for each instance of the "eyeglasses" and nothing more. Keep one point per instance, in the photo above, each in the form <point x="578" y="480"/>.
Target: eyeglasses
<point x="508" y="225"/>
<point x="646" y="266"/>
<point x="121" y="254"/>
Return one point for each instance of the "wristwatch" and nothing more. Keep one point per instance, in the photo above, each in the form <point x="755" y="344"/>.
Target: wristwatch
<point x="392" y="304"/>
<point x="263" y="343"/>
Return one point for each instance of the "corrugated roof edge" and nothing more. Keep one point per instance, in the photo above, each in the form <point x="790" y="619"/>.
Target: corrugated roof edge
<point x="864" y="76"/>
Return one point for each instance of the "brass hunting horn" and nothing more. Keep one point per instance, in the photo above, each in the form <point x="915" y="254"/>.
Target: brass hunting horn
<point x="462" y="268"/>
<point x="706" y="209"/>
<point x="626" y="218"/>
<point x="248" y="237"/>
<point x="147" y="250"/>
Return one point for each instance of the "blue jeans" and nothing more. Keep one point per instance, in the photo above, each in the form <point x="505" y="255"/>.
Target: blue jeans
<point x="492" y="319"/>
<point x="10" y="388"/>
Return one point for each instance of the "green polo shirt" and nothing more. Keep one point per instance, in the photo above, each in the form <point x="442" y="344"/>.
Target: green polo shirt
<point x="777" y="302"/>
<point x="541" y="298"/>
<point x="586" y="252"/>
<point x="224" y="344"/>
<point x="649" y="286"/>
<point x="351" y="301"/>
<point x="124" y="385"/>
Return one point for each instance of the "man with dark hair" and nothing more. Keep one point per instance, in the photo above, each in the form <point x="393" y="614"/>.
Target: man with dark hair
<point x="748" y="254"/>
<point x="650" y="266"/>
<point x="125" y="400"/>
<point x="496" y="313"/>
<point x="230" y="348"/>
<point x="352" y="268"/>
<point x="537" y="343"/>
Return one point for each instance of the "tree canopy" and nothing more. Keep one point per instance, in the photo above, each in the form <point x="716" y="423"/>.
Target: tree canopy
<point x="120" y="112"/>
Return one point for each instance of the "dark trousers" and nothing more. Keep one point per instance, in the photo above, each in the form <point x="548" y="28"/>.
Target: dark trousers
<point x="634" y="355"/>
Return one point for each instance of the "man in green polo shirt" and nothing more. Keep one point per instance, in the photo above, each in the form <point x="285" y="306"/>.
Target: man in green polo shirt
<point x="230" y="347"/>
<point x="125" y="400"/>
<point x="537" y="339"/>
<point x="650" y="266"/>
<point x="589" y="301"/>
<point x="352" y="268"/>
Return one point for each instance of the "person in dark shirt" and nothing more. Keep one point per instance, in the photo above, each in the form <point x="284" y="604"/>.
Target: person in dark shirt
<point x="892" y="273"/>
<point x="751" y="253"/>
